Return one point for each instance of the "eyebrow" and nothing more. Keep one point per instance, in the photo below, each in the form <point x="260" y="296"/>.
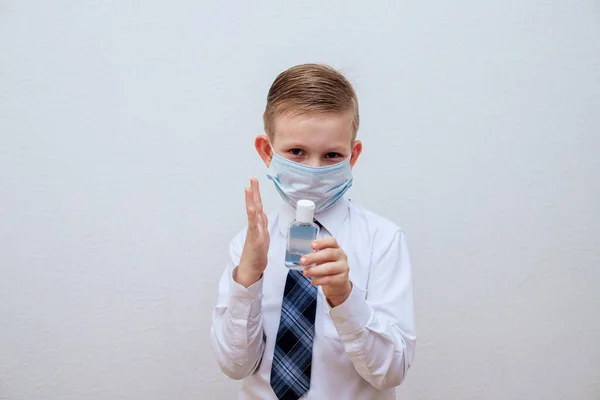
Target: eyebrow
<point x="338" y="149"/>
<point x="324" y="151"/>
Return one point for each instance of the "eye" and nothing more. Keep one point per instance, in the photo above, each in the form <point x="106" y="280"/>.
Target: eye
<point x="297" y="152"/>
<point x="333" y="155"/>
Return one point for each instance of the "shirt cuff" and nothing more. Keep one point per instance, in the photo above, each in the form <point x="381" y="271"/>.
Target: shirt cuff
<point x="244" y="302"/>
<point x="353" y="315"/>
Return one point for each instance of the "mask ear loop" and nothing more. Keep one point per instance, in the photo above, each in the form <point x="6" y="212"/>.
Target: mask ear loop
<point x="272" y="150"/>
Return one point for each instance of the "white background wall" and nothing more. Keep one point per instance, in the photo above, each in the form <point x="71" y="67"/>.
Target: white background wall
<point x="126" y="140"/>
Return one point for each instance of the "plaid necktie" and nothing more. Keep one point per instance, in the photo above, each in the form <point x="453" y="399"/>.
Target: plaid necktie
<point x="290" y="372"/>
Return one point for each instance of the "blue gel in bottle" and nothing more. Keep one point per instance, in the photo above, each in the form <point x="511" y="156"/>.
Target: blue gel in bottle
<point x="301" y="233"/>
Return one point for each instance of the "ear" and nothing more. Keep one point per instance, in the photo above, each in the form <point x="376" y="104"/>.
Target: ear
<point x="356" y="150"/>
<point x="263" y="147"/>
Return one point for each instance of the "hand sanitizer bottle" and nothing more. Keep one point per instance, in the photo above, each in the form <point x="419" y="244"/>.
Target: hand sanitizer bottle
<point x="301" y="233"/>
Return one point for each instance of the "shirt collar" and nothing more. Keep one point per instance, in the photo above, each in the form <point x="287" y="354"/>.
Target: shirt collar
<point x="331" y="219"/>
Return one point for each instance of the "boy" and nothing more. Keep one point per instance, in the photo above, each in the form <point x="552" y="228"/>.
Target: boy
<point x="343" y="328"/>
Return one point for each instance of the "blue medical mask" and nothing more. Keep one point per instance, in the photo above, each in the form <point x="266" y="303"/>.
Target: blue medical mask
<point x="323" y="185"/>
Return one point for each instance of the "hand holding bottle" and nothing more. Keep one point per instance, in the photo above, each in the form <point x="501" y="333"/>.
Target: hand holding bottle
<point x="331" y="270"/>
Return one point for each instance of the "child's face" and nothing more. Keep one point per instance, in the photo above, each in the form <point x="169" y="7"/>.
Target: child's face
<point x="315" y="140"/>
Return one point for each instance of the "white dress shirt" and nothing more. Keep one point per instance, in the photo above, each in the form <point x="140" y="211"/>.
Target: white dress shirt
<point x="362" y="348"/>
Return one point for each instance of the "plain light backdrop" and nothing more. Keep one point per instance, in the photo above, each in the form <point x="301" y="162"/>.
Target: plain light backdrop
<point x="126" y="141"/>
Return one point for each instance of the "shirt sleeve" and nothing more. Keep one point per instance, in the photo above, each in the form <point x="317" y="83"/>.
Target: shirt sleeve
<point x="376" y="324"/>
<point x="237" y="331"/>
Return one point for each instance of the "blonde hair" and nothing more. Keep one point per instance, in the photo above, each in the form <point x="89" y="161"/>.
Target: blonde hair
<point x="307" y="89"/>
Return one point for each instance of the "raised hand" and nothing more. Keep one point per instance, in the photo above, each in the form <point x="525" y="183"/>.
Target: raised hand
<point x="256" y="247"/>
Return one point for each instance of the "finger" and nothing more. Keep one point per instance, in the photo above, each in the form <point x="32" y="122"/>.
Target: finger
<point x="321" y="256"/>
<point x="249" y="199"/>
<point x="256" y="194"/>
<point x="250" y="210"/>
<point x="260" y="220"/>
<point x="256" y="198"/>
<point x="265" y="221"/>
<point x="327" y="269"/>
<point x="324" y="280"/>
<point x="327" y="280"/>
<point x="324" y="243"/>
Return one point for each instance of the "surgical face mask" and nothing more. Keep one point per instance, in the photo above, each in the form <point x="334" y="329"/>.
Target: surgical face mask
<point x="323" y="185"/>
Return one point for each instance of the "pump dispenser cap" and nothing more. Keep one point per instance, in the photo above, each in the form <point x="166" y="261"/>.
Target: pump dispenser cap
<point x="305" y="211"/>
